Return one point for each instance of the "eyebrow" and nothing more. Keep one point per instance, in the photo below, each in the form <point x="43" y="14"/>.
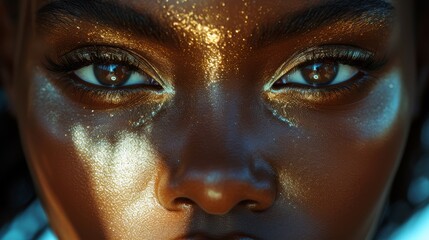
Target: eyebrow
<point x="111" y="13"/>
<point x="322" y="15"/>
<point x="105" y="12"/>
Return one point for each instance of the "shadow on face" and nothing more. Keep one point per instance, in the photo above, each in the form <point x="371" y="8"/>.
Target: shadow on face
<point x="210" y="119"/>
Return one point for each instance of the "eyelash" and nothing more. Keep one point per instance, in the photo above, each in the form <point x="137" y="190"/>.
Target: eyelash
<point x="363" y="60"/>
<point x="74" y="60"/>
<point x="65" y="66"/>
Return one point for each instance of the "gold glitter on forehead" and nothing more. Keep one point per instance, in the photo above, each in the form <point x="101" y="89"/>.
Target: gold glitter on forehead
<point x="200" y="33"/>
<point x="205" y="35"/>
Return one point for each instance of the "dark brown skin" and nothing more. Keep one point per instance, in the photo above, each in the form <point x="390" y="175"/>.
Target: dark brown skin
<point x="215" y="146"/>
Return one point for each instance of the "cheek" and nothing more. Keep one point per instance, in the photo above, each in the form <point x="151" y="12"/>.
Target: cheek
<point x="95" y="173"/>
<point x="97" y="170"/>
<point x="350" y="152"/>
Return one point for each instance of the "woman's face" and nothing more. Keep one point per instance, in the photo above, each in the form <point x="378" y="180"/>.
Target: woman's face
<point x="214" y="119"/>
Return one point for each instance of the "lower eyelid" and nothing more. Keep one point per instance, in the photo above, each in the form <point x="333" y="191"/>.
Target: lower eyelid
<point x="340" y="94"/>
<point x="106" y="98"/>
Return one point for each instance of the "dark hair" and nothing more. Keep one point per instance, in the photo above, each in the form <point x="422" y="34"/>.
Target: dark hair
<point x="12" y="7"/>
<point x="16" y="186"/>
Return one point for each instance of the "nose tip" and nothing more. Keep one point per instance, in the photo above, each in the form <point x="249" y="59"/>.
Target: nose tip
<point x="219" y="190"/>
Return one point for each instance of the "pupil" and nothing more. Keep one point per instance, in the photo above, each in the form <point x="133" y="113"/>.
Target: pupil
<point x="319" y="74"/>
<point x="112" y="75"/>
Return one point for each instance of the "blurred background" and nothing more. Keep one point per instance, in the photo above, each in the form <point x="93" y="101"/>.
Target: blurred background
<point x="16" y="188"/>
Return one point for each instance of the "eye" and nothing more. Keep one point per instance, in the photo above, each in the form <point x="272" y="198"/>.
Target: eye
<point x="318" y="74"/>
<point x="114" y="75"/>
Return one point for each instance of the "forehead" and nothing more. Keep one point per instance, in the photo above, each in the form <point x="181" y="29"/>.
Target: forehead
<point x="196" y="16"/>
<point x="286" y="6"/>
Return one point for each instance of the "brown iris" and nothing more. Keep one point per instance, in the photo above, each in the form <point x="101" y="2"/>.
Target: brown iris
<point x="112" y="75"/>
<point x="320" y="74"/>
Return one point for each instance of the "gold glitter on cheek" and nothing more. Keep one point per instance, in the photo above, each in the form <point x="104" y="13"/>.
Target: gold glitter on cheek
<point x="281" y="109"/>
<point x="293" y="190"/>
<point x="121" y="174"/>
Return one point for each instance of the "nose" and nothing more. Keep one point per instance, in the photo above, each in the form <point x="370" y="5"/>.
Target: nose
<point x="217" y="178"/>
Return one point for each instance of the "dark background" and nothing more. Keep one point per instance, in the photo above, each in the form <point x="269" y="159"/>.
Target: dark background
<point x="16" y="187"/>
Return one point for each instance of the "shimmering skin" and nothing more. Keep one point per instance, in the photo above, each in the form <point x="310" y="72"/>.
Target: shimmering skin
<point x="218" y="152"/>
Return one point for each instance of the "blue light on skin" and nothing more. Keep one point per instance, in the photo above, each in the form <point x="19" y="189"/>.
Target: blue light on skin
<point x="28" y="225"/>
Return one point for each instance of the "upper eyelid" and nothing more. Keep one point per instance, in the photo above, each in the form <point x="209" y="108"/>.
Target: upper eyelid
<point x="93" y="52"/>
<point x="113" y="54"/>
<point x="72" y="60"/>
<point x="324" y="52"/>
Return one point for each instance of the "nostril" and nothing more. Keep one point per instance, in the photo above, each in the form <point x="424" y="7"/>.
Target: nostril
<point x="217" y="189"/>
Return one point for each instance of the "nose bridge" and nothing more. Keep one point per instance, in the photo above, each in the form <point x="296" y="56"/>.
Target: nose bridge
<point x="214" y="152"/>
<point x="217" y="105"/>
<point x="215" y="141"/>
